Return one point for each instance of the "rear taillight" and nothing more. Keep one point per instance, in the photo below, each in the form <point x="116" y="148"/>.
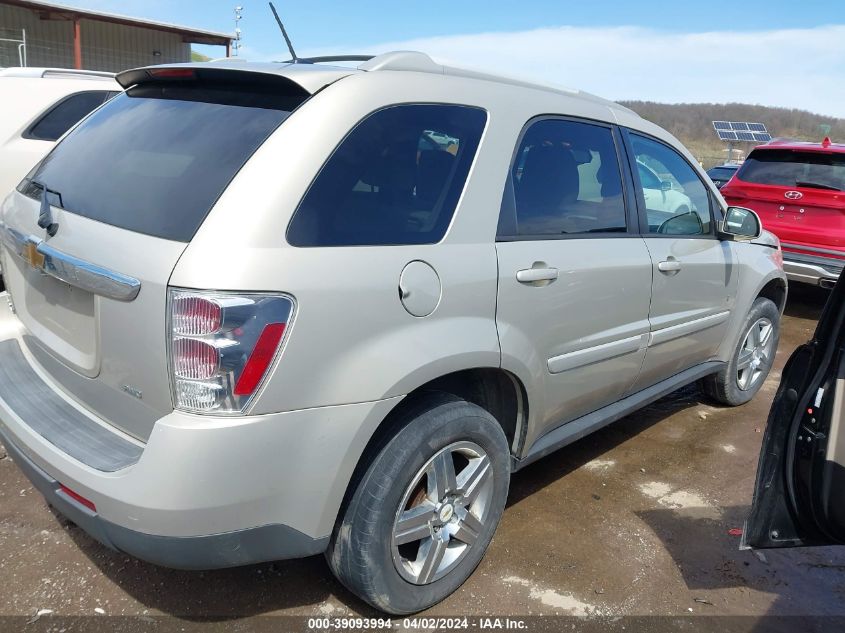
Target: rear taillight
<point x="222" y="346"/>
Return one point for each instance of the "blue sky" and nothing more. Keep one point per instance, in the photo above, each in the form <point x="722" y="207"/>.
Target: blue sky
<point x="775" y="52"/>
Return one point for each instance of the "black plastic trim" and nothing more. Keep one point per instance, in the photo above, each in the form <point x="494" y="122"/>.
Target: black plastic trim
<point x="570" y="432"/>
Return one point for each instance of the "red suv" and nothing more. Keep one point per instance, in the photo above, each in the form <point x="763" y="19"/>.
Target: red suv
<point x="798" y="190"/>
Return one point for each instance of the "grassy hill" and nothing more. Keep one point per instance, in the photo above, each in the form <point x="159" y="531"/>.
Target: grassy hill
<point x="199" y="57"/>
<point x="691" y="123"/>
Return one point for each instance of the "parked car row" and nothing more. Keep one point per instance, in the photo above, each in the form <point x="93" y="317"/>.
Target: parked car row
<point x="262" y="311"/>
<point x="721" y="174"/>
<point x="798" y="189"/>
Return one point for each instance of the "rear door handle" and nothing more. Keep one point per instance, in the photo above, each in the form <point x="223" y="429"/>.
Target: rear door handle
<point x="669" y="266"/>
<point x="533" y="275"/>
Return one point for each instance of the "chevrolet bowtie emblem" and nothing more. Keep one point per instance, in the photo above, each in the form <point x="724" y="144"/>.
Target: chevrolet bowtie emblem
<point x="32" y="257"/>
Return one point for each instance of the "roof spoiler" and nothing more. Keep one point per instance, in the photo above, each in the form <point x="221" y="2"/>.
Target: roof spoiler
<point x="187" y="73"/>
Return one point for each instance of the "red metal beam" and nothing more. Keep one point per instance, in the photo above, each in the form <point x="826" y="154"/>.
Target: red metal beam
<point x="77" y="45"/>
<point x="49" y="11"/>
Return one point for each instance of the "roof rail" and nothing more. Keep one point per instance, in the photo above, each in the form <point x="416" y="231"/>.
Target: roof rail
<point x="70" y="72"/>
<point x="420" y="62"/>
<point x="403" y="60"/>
<point x="328" y="58"/>
<point x="27" y="71"/>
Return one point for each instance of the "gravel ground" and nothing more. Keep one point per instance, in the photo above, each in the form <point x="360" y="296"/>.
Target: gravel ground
<point x="632" y="520"/>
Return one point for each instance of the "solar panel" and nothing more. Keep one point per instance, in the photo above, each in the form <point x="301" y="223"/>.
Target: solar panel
<point x="742" y="131"/>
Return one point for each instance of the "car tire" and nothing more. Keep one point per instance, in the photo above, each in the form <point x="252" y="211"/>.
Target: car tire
<point x="365" y="552"/>
<point x="741" y="379"/>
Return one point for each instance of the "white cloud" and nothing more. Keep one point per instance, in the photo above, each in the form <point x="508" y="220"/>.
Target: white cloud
<point x="801" y="68"/>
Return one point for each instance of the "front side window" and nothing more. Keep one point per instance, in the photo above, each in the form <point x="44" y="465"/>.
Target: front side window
<point x="676" y="201"/>
<point x="565" y="180"/>
<point x="65" y="114"/>
<point x="395" y="179"/>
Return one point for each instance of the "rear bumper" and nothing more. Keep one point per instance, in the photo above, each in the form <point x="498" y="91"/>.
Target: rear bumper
<point x="812" y="269"/>
<point x="231" y="549"/>
<point x="203" y="492"/>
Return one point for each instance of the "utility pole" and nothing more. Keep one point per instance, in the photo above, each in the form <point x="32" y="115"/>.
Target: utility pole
<point x="236" y="44"/>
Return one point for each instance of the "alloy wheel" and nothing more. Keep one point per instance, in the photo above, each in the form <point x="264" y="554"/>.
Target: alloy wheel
<point x="755" y="354"/>
<point x="442" y="513"/>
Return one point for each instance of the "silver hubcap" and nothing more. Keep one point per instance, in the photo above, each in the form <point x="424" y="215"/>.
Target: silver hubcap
<point x="755" y="354"/>
<point x="442" y="513"/>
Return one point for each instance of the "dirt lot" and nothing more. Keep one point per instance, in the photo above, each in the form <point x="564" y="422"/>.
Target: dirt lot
<point x="632" y="520"/>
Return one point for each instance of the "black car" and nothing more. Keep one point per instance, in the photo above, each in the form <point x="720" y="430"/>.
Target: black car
<point x="801" y="473"/>
<point x="722" y="173"/>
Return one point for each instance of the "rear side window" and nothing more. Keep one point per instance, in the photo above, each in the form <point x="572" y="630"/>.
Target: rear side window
<point x="65" y="114"/>
<point x="155" y="159"/>
<point x="395" y="179"/>
<point x="565" y="180"/>
<point x="787" y="168"/>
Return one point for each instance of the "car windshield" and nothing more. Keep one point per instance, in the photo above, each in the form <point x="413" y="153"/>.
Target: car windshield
<point x="154" y="160"/>
<point x="789" y="168"/>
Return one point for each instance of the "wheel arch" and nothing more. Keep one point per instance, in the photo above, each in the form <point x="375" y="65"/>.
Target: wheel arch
<point x="497" y="391"/>
<point x="775" y="290"/>
<point x="760" y="275"/>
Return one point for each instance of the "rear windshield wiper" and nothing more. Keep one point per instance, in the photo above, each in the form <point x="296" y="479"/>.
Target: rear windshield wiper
<point x="816" y="185"/>
<point x="45" y="214"/>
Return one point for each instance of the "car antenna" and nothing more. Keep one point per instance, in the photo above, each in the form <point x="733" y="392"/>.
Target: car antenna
<point x="293" y="56"/>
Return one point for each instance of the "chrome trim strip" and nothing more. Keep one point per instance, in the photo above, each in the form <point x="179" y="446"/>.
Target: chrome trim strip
<point x="596" y="354"/>
<point x="808" y="273"/>
<point x="813" y="249"/>
<point x="683" y="329"/>
<point x="14" y="240"/>
<point x="69" y="269"/>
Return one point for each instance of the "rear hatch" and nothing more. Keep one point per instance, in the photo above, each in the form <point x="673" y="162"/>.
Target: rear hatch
<point x="125" y="192"/>
<point x="798" y="195"/>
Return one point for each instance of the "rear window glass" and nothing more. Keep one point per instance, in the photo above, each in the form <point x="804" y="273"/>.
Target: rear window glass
<point x="155" y="159"/>
<point x="788" y="168"/>
<point x="721" y="172"/>
<point x="65" y="114"/>
<point x="395" y="179"/>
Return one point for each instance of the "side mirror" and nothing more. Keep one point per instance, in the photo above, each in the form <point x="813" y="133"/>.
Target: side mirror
<point x="683" y="224"/>
<point x="665" y="185"/>
<point x="741" y="224"/>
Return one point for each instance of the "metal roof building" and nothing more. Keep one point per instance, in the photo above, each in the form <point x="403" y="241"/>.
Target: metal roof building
<point x="57" y="36"/>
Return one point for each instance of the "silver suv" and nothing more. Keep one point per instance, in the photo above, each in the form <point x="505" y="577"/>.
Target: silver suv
<point x="270" y="311"/>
